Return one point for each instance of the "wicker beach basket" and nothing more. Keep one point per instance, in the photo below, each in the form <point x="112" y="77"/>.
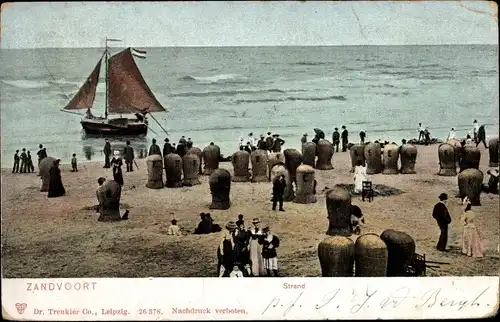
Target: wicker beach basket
<point x="373" y="157"/>
<point x="197" y="151"/>
<point x="408" y="155"/>
<point x="305" y="185"/>
<point x="400" y="247"/>
<point x="109" y="195"/>
<point x="190" y="168"/>
<point x="357" y="153"/>
<point x="390" y="159"/>
<point x="447" y="163"/>
<point x="220" y="186"/>
<point x="457" y="146"/>
<point x="293" y="158"/>
<point x="471" y="159"/>
<point x="241" y="161"/>
<point x="211" y="156"/>
<point x="173" y="170"/>
<point x="325" y="153"/>
<point x="338" y="205"/>
<point x="309" y="153"/>
<point x="154" y="163"/>
<point x="274" y="158"/>
<point x="494" y="151"/>
<point x="370" y="256"/>
<point x="470" y="183"/>
<point x="336" y="257"/>
<point x="259" y="166"/>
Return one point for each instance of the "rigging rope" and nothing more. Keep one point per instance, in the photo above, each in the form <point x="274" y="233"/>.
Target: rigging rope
<point x="54" y="79"/>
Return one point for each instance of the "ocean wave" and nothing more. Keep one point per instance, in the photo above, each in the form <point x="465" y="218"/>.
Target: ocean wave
<point x="226" y="93"/>
<point x="214" y="79"/>
<point x="292" y="98"/>
<point x="311" y="63"/>
<point x="26" y="84"/>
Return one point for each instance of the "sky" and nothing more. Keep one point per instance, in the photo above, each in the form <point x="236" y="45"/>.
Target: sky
<point x="294" y="23"/>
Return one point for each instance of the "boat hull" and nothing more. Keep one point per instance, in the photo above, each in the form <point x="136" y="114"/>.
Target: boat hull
<point x="101" y="127"/>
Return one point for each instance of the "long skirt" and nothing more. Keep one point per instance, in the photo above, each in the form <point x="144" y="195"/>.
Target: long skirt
<point x="256" y="258"/>
<point x="471" y="242"/>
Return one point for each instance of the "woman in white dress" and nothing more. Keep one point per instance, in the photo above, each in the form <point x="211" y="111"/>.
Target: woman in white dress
<point x="471" y="243"/>
<point x="359" y="176"/>
<point x="256" y="259"/>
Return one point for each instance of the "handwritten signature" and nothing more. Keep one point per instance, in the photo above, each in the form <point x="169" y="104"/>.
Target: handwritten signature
<point x="379" y="299"/>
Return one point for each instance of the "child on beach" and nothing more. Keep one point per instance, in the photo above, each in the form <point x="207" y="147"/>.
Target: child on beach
<point x="236" y="271"/>
<point x="74" y="163"/>
<point x="173" y="229"/>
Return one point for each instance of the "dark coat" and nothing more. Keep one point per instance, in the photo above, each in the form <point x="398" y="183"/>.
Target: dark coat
<point x="226" y="260"/>
<point x="345" y="135"/>
<point x="128" y="153"/>
<point x="277" y="145"/>
<point x="441" y="214"/>
<point x="117" y="170"/>
<point x="269" y="252"/>
<point x="481" y="133"/>
<point x="336" y="137"/>
<point x="107" y="148"/>
<point x="279" y="187"/>
<point x="42" y="154"/>
<point x="262" y="145"/>
<point x="167" y="149"/>
<point x="269" y="143"/>
<point x="56" y="188"/>
<point x="154" y="149"/>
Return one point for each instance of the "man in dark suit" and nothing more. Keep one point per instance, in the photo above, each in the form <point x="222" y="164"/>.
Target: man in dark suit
<point x="107" y="154"/>
<point x="442" y="216"/>
<point x="129" y="157"/>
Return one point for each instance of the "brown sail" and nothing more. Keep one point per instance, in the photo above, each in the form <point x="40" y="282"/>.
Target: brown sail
<point x="127" y="89"/>
<point x="86" y="95"/>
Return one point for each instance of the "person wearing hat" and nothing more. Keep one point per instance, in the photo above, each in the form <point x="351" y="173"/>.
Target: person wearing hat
<point x="251" y="139"/>
<point x="117" y="163"/>
<point x="56" y="187"/>
<point x="452" y="134"/>
<point x="42" y="153"/>
<point x="362" y="136"/>
<point x="128" y="155"/>
<point x="107" y="153"/>
<point x="472" y="245"/>
<point x="345" y="138"/>
<point x="15" y="169"/>
<point x="443" y="219"/>
<point x="154" y="149"/>
<point x="279" y="186"/>
<point x="262" y="145"/>
<point x="167" y="147"/>
<point x="189" y="143"/>
<point x="225" y="252"/>
<point x="269" y="141"/>
<point x="269" y="244"/>
<point x="277" y="143"/>
<point x="304" y="138"/>
<point x="241" y="240"/>
<point x="256" y="260"/>
<point x="336" y="139"/>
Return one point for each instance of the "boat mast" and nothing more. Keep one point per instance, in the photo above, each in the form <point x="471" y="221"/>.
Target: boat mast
<point x="106" y="79"/>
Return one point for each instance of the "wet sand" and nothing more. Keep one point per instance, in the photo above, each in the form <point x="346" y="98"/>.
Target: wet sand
<point x="61" y="237"/>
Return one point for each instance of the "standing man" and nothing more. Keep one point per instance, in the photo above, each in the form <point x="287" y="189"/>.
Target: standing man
<point x="107" y="153"/>
<point x="269" y="244"/>
<point x="475" y="129"/>
<point x="442" y="216"/>
<point x="15" y="169"/>
<point x="421" y="132"/>
<point x="154" y="149"/>
<point x="277" y="143"/>
<point x="452" y="134"/>
<point x="128" y="155"/>
<point x="251" y="139"/>
<point x="261" y="145"/>
<point x="481" y="136"/>
<point x="269" y="141"/>
<point x="345" y="138"/>
<point x="362" y="136"/>
<point x="279" y="185"/>
<point x="336" y="139"/>
<point x="24" y="161"/>
<point x="189" y="143"/>
<point x="167" y="148"/>
<point x="30" y="166"/>
<point x="42" y="153"/>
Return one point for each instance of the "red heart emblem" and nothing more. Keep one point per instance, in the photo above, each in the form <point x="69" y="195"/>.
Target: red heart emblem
<point x="21" y="307"/>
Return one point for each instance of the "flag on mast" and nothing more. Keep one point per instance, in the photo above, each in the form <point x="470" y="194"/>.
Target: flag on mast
<point x="138" y="53"/>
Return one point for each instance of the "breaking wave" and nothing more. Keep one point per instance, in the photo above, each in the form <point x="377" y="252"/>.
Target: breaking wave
<point x="221" y="78"/>
<point x="311" y="63"/>
<point x="292" y="98"/>
<point x="26" y="84"/>
<point x="226" y="93"/>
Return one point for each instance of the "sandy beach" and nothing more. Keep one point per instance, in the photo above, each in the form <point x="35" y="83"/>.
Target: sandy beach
<point x="61" y="237"/>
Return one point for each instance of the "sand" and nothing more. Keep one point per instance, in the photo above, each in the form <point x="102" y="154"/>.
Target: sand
<point x="61" y="237"/>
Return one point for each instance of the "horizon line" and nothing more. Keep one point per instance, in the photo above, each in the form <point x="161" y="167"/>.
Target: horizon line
<point x="247" y="46"/>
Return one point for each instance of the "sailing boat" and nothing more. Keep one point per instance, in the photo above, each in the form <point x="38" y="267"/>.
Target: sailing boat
<point x="126" y="93"/>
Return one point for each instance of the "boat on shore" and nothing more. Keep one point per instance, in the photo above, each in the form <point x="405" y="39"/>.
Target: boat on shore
<point x="126" y="93"/>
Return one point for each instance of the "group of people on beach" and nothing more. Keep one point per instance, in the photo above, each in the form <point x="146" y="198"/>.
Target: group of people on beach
<point x="23" y="163"/>
<point x="271" y="142"/>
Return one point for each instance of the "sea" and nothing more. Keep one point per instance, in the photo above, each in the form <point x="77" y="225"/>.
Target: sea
<point x="219" y="94"/>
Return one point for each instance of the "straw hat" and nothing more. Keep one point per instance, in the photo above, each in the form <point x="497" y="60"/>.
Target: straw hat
<point x="265" y="227"/>
<point x="256" y="221"/>
<point x="231" y="226"/>
<point x="116" y="153"/>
